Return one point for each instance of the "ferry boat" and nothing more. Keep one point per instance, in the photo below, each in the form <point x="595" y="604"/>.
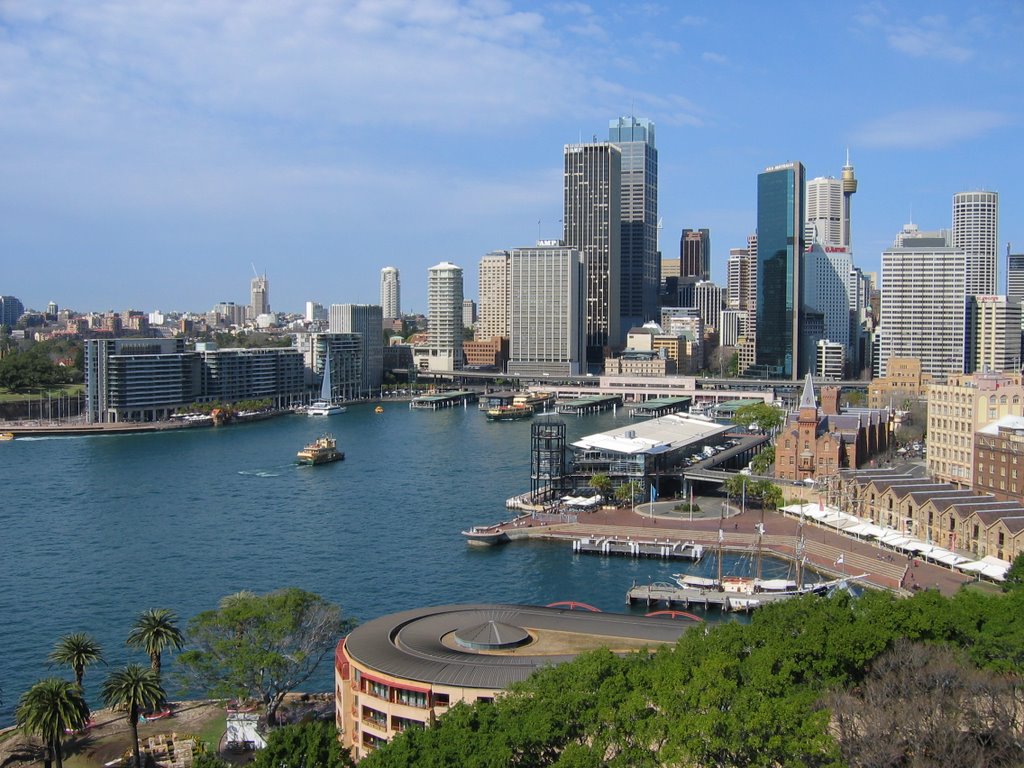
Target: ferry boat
<point x="512" y="412"/>
<point x="323" y="450"/>
<point x="6" y="435"/>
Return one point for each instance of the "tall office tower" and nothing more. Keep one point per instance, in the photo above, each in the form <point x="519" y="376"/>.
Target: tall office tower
<point x="976" y="233"/>
<point x="1014" y="276"/>
<point x="259" y="293"/>
<point x="741" y="290"/>
<point x="444" y="317"/>
<point x="780" y="221"/>
<point x="11" y="309"/>
<point x="640" y="262"/>
<point x="592" y="225"/>
<point x="547" y="294"/>
<point x="828" y="286"/>
<point x="468" y="313"/>
<point x="695" y="254"/>
<point x="494" y="297"/>
<point x="923" y="308"/>
<point x="731" y="328"/>
<point x="368" y="321"/>
<point x="993" y="334"/>
<point x="849" y="189"/>
<point x="707" y="298"/>
<point x="824" y="223"/>
<point x="390" y="293"/>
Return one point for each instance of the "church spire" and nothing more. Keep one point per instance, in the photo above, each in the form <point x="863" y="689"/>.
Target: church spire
<point x="807" y="398"/>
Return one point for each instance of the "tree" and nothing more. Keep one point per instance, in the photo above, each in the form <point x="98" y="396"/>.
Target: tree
<point x="133" y="688"/>
<point x="765" y="417"/>
<point x="629" y="492"/>
<point x="261" y="646"/>
<point x="602" y="484"/>
<point x="155" y="631"/>
<point x="49" y="709"/>
<point x="304" y="744"/>
<point x="1015" y="574"/>
<point x="763" y="461"/>
<point x="77" y="650"/>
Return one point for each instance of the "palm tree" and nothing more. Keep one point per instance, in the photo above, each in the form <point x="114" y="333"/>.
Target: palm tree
<point x="77" y="650"/>
<point x="134" y="688"/>
<point x="49" y="709"/>
<point x="155" y="630"/>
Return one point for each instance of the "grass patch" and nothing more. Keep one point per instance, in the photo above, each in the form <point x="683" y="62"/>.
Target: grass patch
<point x="213" y="730"/>
<point x="71" y="390"/>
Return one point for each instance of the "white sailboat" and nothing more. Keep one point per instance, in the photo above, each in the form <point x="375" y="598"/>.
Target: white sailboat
<point x="325" y="405"/>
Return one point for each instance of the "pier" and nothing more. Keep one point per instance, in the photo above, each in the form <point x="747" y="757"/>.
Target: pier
<point x="595" y="404"/>
<point x="629" y="547"/>
<point x="660" y="406"/>
<point x="443" y="400"/>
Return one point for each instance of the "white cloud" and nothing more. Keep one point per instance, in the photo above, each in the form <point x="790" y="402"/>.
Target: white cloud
<point x="928" y="41"/>
<point x="928" y="128"/>
<point x="714" y="58"/>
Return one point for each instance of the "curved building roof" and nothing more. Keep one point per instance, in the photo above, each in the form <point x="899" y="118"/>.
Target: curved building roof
<point x="421" y="644"/>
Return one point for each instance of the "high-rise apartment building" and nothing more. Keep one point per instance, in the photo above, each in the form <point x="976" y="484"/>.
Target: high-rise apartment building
<point x="592" y="225"/>
<point x="492" y="318"/>
<point x="444" y="317"/>
<point x="976" y="233"/>
<point x="11" y="309"/>
<point x="259" y="296"/>
<point x="368" y="321"/>
<point x="993" y="328"/>
<point x="390" y="293"/>
<point x="780" y="221"/>
<point x="640" y="262"/>
<point x="923" y="307"/>
<point x="695" y="254"/>
<point x="547" y="294"/>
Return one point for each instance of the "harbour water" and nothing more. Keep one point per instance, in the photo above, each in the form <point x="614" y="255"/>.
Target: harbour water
<point x="96" y="529"/>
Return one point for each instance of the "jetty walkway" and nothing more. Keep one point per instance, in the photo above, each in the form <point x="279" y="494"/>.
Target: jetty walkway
<point x="825" y="550"/>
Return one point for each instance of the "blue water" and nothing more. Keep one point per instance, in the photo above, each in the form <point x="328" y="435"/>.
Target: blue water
<point x="93" y="530"/>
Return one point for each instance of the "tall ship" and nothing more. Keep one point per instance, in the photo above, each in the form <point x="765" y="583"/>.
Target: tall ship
<point x="325" y="404"/>
<point x="323" y="450"/>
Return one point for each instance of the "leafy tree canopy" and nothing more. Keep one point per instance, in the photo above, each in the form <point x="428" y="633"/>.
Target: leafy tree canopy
<point x="306" y="744"/>
<point x="765" y="417"/>
<point x="260" y="647"/>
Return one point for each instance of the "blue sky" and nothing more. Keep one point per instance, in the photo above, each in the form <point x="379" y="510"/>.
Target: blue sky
<point x="151" y="151"/>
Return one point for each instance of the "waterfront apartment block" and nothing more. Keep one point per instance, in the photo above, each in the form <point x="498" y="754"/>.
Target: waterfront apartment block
<point x="957" y="410"/>
<point x="443" y="352"/>
<point x="407" y="669"/>
<point x="941" y="514"/>
<point x="368" y="321"/>
<point x="149" y="379"/>
<point x="346" y="353"/>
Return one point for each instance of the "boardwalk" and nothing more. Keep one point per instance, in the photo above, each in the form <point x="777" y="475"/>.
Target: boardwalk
<point x="826" y="550"/>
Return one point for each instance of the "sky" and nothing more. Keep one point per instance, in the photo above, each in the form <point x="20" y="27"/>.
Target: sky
<point x="154" y="153"/>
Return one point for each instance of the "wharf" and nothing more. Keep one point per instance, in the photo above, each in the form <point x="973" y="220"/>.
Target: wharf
<point x="629" y="547"/>
<point x="22" y="430"/>
<point x="672" y="596"/>
<point x="443" y="400"/>
<point x="660" y="406"/>
<point x="595" y="404"/>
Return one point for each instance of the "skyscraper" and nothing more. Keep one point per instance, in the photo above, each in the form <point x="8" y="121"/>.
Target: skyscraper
<point x="444" y="317"/>
<point x="827" y="287"/>
<point x="1014" y="276"/>
<point x="824" y="211"/>
<point x="923" y="311"/>
<point x="259" y="292"/>
<point x="780" y="221"/>
<point x="592" y="225"/>
<point x="638" y="300"/>
<point x="976" y="233"/>
<point x="547" y="293"/>
<point x="993" y="334"/>
<point x="695" y="254"/>
<point x="11" y="309"/>
<point x="494" y="286"/>
<point x="368" y="321"/>
<point x="390" y="294"/>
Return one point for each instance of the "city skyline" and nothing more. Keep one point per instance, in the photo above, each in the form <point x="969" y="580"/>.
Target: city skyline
<point x="176" y="145"/>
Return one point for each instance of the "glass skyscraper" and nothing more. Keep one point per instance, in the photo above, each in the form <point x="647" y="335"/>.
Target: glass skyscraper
<point x="780" y="221"/>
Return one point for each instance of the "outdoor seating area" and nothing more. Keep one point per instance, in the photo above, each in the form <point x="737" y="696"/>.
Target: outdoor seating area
<point x="989" y="567"/>
<point x="169" y="750"/>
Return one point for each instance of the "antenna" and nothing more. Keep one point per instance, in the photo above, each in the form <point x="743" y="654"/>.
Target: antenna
<point x="254" y="269"/>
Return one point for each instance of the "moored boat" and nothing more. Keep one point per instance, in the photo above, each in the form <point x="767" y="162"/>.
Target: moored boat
<point x="323" y="450"/>
<point x="325" y="405"/>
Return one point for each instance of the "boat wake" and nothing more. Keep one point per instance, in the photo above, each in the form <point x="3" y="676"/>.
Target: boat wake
<point x="259" y="473"/>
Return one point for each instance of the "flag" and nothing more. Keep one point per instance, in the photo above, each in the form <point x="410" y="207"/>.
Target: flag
<point x="839" y="561"/>
<point x="654" y="493"/>
<point x="721" y="535"/>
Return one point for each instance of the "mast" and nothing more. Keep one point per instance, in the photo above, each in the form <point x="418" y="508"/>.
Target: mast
<point x="760" y="534"/>
<point x="325" y="387"/>
<point x="721" y="536"/>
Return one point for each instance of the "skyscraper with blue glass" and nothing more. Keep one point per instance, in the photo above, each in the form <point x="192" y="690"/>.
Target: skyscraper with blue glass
<point x="780" y="223"/>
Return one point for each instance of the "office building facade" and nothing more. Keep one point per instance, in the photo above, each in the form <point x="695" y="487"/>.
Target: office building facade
<point x="780" y="221"/>
<point x="640" y="262"/>
<point x="695" y="254"/>
<point x="547" y="294"/>
<point x="259" y="296"/>
<point x="390" y="293"/>
<point x="976" y="233"/>
<point x="993" y="334"/>
<point x="11" y="309"/>
<point x="346" y="353"/>
<point x="444" y="323"/>
<point x="492" y="318"/>
<point x="592" y="225"/>
<point x="1014" y="276"/>
<point x="828" y="286"/>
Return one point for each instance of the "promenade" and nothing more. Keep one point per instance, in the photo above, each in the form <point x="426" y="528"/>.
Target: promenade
<point x="825" y="549"/>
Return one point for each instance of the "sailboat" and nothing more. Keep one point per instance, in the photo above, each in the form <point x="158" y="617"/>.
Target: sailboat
<point x="325" y="405"/>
